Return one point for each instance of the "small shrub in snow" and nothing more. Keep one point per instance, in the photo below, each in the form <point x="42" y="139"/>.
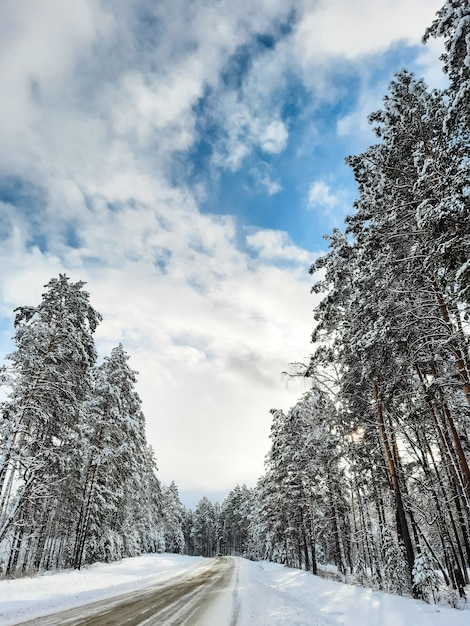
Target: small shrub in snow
<point x="426" y="580"/>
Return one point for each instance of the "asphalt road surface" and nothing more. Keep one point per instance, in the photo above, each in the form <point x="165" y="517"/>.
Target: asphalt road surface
<point x="183" y="600"/>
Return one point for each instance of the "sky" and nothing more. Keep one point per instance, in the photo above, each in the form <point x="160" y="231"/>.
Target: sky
<point x="185" y="159"/>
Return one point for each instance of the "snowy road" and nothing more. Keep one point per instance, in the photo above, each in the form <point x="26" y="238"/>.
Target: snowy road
<point x="185" y="599"/>
<point x="169" y="589"/>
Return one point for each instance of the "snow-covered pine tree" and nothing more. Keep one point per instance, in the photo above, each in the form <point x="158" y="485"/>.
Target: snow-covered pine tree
<point x="235" y="517"/>
<point x="303" y="507"/>
<point x="120" y="512"/>
<point x="173" y="517"/>
<point x="391" y="322"/>
<point x="452" y="23"/>
<point x="150" y="506"/>
<point x="205" y="530"/>
<point x="396" y="576"/>
<point x="188" y="523"/>
<point x="452" y="212"/>
<point x="425" y="578"/>
<point x="51" y="368"/>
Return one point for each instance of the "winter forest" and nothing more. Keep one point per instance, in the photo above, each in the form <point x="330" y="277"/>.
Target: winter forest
<point x="367" y="479"/>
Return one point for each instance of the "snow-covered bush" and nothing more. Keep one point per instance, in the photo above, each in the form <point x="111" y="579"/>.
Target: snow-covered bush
<point x="426" y="580"/>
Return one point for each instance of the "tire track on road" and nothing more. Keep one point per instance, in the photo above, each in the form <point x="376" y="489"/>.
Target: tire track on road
<point x="181" y="601"/>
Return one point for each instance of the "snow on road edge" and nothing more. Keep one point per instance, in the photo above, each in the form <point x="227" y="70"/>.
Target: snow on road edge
<point x="273" y="595"/>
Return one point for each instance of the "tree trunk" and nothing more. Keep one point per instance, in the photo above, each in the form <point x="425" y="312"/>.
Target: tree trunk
<point x="402" y="525"/>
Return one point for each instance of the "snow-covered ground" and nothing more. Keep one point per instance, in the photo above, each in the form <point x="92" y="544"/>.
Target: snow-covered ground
<point x="262" y="594"/>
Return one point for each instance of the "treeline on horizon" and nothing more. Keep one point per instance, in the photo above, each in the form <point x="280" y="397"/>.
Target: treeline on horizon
<point x="368" y="474"/>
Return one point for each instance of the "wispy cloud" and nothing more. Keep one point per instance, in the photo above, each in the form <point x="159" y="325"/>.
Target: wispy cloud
<point x="263" y="180"/>
<point x="321" y="195"/>
<point x="277" y="245"/>
<point x="332" y="202"/>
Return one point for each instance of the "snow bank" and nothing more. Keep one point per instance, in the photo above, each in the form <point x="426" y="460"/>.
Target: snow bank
<point x="273" y="595"/>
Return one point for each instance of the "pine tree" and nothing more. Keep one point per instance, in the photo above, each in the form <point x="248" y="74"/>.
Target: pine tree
<point x="236" y="516"/>
<point x="304" y="509"/>
<point x="397" y="579"/>
<point x="121" y="499"/>
<point x="173" y="515"/>
<point x="205" y="530"/>
<point x="391" y="321"/>
<point x="40" y="419"/>
<point x="453" y="25"/>
<point x="425" y="578"/>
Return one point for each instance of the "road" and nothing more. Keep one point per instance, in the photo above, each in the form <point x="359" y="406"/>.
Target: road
<point x="184" y="600"/>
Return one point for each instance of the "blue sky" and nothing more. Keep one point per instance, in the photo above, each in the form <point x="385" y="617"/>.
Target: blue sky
<point x="186" y="159"/>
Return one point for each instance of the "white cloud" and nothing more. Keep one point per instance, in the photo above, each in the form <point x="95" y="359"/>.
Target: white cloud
<point x="273" y="138"/>
<point x="272" y="186"/>
<point x="428" y="68"/>
<point x="248" y="123"/>
<point x="320" y="194"/>
<point x="326" y="37"/>
<point x="277" y="245"/>
<point x="333" y="203"/>
<point x="263" y="180"/>
<point x="348" y="30"/>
